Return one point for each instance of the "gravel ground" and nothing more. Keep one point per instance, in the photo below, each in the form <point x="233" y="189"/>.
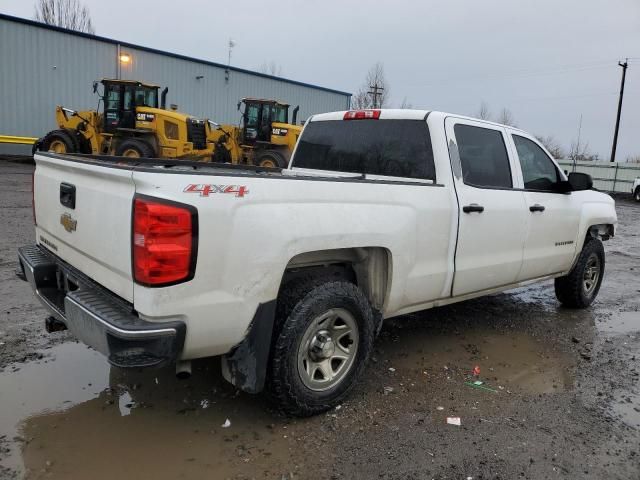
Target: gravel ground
<point x="564" y="398"/>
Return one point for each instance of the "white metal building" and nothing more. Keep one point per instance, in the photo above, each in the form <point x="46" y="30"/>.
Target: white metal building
<point x="43" y="66"/>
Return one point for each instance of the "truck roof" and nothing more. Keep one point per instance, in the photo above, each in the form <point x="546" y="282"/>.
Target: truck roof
<point x="404" y="114"/>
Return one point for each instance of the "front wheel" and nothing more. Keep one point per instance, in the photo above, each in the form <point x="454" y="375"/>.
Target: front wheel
<point x="581" y="286"/>
<point x="321" y="348"/>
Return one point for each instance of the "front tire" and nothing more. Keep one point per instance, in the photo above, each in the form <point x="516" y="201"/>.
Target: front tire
<point x="581" y="286"/>
<point x="321" y="348"/>
<point x="271" y="159"/>
<point x="135" y="148"/>
<point x="59" y="141"/>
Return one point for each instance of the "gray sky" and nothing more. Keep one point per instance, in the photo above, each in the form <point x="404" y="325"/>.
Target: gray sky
<point x="548" y="61"/>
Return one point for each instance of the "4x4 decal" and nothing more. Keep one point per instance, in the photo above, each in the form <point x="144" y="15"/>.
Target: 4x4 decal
<point x="207" y="189"/>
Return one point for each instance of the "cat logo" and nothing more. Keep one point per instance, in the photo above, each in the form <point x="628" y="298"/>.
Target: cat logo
<point x="68" y="222"/>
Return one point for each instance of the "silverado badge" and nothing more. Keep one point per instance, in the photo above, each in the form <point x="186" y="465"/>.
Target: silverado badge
<point x="68" y="222"/>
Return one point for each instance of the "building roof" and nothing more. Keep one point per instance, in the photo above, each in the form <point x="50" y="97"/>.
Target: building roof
<point x="33" y="23"/>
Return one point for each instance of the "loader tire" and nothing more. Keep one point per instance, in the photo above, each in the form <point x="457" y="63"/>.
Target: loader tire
<point x="60" y="141"/>
<point x="580" y="287"/>
<point x="271" y="159"/>
<point x="135" y="148"/>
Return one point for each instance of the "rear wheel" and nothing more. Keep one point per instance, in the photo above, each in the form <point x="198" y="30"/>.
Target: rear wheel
<point x="321" y="348"/>
<point x="59" y="141"/>
<point x="581" y="286"/>
<point x="271" y="159"/>
<point x="636" y="194"/>
<point x="135" y="148"/>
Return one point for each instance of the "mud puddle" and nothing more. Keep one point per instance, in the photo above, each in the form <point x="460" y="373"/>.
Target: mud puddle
<point x="621" y="323"/>
<point x="77" y="418"/>
<point x="510" y="362"/>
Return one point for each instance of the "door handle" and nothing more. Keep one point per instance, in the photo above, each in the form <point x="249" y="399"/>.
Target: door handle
<point x="68" y="195"/>
<point x="474" y="207"/>
<point x="536" y="208"/>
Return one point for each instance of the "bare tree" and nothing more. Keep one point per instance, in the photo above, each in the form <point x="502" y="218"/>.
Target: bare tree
<point x="633" y="159"/>
<point x="374" y="93"/>
<point x="580" y="152"/>
<point x="506" y="117"/>
<point x="552" y="145"/>
<point x="483" y="112"/>
<point x="271" y="68"/>
<point x="406" y="105"/>
<point x="69" y="14"/>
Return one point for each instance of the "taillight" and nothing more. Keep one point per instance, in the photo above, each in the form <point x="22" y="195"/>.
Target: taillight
<point x="362" y="115"/>
<point x="164" y="241"/>
<point x="33" y="196"/>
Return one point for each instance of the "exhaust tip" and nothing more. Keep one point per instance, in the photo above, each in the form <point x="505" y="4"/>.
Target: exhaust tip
<point x="183" y="370"/>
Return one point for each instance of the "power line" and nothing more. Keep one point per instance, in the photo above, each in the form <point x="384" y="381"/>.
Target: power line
<point x="376" y="92"/>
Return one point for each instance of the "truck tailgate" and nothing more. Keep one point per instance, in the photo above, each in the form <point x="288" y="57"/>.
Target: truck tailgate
<point x="83" y="216"/>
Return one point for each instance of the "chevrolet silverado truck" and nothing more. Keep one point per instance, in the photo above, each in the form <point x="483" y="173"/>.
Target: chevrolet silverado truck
<point x="288" y="274"/>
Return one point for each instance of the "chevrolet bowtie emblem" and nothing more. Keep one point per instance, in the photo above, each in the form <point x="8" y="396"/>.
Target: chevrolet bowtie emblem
<point x="68" y="222"/>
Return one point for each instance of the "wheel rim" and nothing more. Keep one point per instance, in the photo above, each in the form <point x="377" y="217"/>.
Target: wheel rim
<point x="131" y="153"/>
<point x="591" y="274"/>
<point x="328" y="349"/>
<point x="268" y="162"/>
<point x="58" y="146"/>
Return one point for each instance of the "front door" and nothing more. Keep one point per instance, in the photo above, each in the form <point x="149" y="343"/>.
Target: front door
<point x="492" y="221"/>
<point x="553" y="217"/>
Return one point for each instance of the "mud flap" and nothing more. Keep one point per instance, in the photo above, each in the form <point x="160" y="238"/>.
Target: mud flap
<point x="246" y="365"/>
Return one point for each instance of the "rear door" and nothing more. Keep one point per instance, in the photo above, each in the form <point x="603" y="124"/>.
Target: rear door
<point x="553" y="217"/>
<point x="83" y="216"/>
<point x="492" y="225"/>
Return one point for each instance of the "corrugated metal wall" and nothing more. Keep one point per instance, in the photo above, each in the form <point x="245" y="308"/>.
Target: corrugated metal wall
<point x="41" y="68"/>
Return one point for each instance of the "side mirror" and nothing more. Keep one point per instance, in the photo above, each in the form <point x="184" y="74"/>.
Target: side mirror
<point x="580" y="181"/>
<point x="238" y="106"/>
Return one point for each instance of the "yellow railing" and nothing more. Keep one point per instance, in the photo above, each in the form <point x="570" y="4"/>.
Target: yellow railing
<point x="17" y="140"/>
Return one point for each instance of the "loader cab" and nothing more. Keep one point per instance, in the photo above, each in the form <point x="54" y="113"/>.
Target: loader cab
<point x="257" y="117"/>
<point x="121" y="97"/>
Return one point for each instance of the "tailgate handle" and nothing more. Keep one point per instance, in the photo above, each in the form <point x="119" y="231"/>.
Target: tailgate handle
<point x="68" y="195"/>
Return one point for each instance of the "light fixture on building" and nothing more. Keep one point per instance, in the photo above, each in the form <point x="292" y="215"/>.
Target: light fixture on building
<point x="125" y="58"/>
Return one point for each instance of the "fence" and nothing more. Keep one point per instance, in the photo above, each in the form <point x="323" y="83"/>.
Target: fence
<point x="607" y="176"/>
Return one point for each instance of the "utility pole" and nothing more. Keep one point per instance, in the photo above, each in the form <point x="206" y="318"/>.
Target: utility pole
<point x="375" y="92"/>
<point x="615" y="135"/>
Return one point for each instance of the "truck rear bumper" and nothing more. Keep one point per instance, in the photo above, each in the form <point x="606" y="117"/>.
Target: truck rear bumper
<point x="96" y="316"/>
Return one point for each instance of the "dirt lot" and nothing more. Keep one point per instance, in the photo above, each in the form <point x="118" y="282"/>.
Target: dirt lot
<point x="564" y="398"/>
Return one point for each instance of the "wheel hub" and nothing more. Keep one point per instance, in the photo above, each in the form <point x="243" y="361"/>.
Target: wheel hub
<point x="321" y="346"/>
<point x="328" y="349"/>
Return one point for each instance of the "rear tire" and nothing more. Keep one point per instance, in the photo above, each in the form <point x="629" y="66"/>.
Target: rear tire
<point x="135" y="148"/>
<point x="636" y="194"/>
<point x="59" y="141"/>
<point x="271" y="159"/>
<point x="321" y="348"/>
<point x="581" y="286"/>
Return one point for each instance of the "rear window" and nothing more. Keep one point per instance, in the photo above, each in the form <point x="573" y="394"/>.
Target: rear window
<point x="397" y="148"/>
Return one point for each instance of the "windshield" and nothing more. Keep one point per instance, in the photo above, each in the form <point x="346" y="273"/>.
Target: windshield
<point x="398" y="148"/>
<point x="144" y="97"/>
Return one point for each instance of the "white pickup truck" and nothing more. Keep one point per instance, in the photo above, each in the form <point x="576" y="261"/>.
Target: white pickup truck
<point x="288" y="274"/>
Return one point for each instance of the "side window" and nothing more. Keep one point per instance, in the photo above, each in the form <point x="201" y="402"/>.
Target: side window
<point x="483" y="155"/>
<point x="538" y="170"/>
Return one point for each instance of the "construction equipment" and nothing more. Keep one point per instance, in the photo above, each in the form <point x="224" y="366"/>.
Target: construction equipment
<point x="130" y="124"/>
<point x="264" y="138"/>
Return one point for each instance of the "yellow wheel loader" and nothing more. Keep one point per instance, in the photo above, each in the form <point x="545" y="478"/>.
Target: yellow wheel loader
<point x="128" y="122"/>
<point x="264" y="138"/>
